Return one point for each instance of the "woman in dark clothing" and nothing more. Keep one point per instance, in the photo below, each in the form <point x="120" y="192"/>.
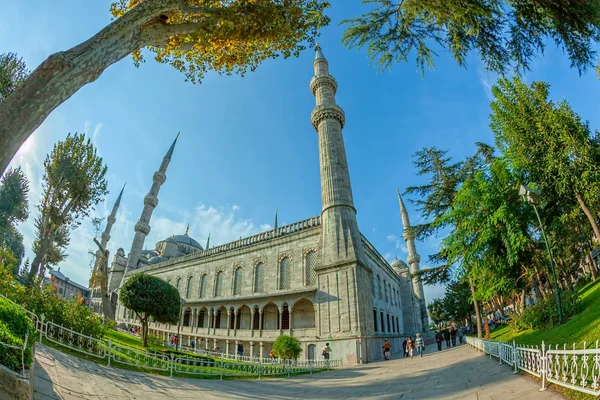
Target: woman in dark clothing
<point x="447" y="337"/>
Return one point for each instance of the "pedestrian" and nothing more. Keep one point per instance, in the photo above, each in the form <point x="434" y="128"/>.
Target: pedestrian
<point x="193" y="343"/>
<point x="438" y="339"/>
<point x="404" y="349"/>
<point x="453" y="335"/>
<point x="386" y="350"/>
<point x="272" y="355"/>
<point x="410" y="346"/>
<point x="447" y="338"/>
<point x="461" y="333"/>
<point x="326" y="351"/>
<point x="171" y="339"/>
<point x="175" y="340"/>
<point x="420" y="344"/>
<point x="240" y="349"/>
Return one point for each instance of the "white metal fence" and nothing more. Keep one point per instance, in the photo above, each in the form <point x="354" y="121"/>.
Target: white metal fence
<point x="211" y="364"/>
<point x="574" y="368"/>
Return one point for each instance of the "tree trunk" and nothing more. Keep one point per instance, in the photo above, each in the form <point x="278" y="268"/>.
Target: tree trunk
<point x="539" y="283"/>
<point x="523" y="295"/>
<point x="589" y="216"/>
<point x="477" y="311"/>
<point x="62" y="74"/>
<point x="145" y="331"/>
<point x="38" y="259"/>
<point x="592" y="265"/>
<point x="536" y="289"/>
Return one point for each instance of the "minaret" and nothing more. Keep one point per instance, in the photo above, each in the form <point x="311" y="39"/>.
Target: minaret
<point x="275" y="223"/>
<point x="142" y="227"/>
<point x="340" y="235"/>
<point x="207" y="242"/>
<point x="342" y="262"/>
<point x="110" y="222"/>
<point x="413" y="261"/>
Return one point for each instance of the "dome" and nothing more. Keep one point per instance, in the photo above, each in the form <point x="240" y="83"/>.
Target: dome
<point x="149" y="253"/>
<point x="184" y="239"/>
<point x="157" y="259"/>
<point x="399" y="266"/>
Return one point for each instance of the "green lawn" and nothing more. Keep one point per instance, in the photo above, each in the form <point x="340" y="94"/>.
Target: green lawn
<point x="584" y="326"/>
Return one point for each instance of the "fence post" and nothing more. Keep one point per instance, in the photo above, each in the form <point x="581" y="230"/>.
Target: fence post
<point x="260" y="367"/>
<point x="109" y="347"/>
<point x="310" y="365"/>
<point x="543" y="367"/>
<point x="172" y="365"/>
<point x="515" y="359"/>
<point x="221" y="371"/>
<point x="42" y="326"/>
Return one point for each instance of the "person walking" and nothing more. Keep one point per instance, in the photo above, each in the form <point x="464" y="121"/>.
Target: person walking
<point x="404" y="349"/>
<point x="386" y="350"/>
<point x="447" y="338"/>
<point x="461" y="333"/>
<point x="193" y="343"/>
<point x="438" y="339"/>
<point x="240" y="349"/>
<point x="420" y="344"/>
<point x="326" y="351"/>
<point x="453" y="335"/>
<point x="410" y="344"/>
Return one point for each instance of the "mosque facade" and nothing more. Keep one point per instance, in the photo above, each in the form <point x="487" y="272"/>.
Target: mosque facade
<point x="319" y="280"/>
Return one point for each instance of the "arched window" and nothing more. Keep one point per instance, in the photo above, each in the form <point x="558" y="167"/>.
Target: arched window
<point x="188" y="287"/>
<point x="379" y="286"/>
<point x="203" y="286"/>
<point x="285" y="273"/>
<point x="237" y="280"/>
<point x="178" y="282"/>
<point x="259" y="277"/>
<point x="218" y="283"/>
<point x="311" y="261"/>
<point x="385" y="289"/>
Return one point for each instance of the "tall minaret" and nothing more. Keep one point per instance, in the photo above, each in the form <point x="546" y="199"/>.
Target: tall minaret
<point x="413" y="261"/>
<point x="110" y="222"/>
<point x="340" y="235"/>
<point x="142" y="227"/>
<point x="342" y="262"/>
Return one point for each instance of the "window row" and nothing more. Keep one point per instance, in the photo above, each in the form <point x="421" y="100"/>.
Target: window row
<point x="389" y="324"/>
<point x="258" y="282"/>
<point x="390" y="294"/>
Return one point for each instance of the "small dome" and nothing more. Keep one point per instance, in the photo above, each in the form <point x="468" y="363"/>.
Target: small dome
<point x="149" y="253"/>
<point x="157" y="259"/>
<point x="399" y="266"/>
<point x="184" y="239"/>
<point x="120" y="251"/>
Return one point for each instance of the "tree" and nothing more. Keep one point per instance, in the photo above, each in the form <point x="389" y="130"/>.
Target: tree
<point x="13" y="72"/>
<point x="548" y="144"/>
<point x="457" y="301"/>
<point x="149" y="296"/>
<point x="57" y="251"/>
<point x="437" y="313"/>
<point x="13" y="241"/>
<point x="14" y="188"/>
<point x="74" y="182"/>
<point x="194" y="36"/>
<point x="505" y="34"/>
<point x="287" y="347"/>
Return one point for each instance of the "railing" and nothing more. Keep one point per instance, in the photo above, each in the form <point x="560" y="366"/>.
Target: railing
<point x="573" y="368"/>
<point x="19" y="350"/>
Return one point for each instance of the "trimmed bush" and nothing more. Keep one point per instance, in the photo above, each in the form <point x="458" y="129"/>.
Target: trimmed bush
<point x="15" y="319"/>
<point x="287" y="347"/>
<point x="15" y="324"/>
<point x="544" y="313"/>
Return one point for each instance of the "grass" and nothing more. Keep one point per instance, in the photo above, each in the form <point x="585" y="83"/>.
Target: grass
<point x="583" y="327"/>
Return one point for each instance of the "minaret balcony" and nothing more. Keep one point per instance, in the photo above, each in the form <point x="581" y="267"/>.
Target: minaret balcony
<point x="142" y="227"/>
<point x="151" y="201"/>
<point x="159" y="177"/>
<point x="324" y="112"/>
<point x="318" y="81"/>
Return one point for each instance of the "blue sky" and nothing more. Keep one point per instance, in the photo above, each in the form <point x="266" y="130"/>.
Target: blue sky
<point x="247" y="146"/>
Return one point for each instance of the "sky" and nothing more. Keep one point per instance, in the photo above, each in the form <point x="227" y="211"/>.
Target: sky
<point x="247" y="146"/>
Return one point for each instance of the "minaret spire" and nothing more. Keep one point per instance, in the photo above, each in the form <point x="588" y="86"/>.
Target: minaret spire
<point x="413" y="261"/>
<point x="207" y="242"/>
<point x="110" y="221"/>
<point x="187" y="230"/>
<point x="275" y="224"/>
<point x="142" y="227"/>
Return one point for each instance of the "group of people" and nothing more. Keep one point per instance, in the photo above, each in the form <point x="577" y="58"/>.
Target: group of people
<point x="449" y="336"/>
<point x="408" y="347"/>
<point x="173" y="340"/>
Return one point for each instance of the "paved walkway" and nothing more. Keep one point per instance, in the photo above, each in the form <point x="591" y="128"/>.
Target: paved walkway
<point x="458" y="373"/>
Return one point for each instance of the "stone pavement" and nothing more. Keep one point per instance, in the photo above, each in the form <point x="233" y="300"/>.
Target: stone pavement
<point x="458" y="373"/>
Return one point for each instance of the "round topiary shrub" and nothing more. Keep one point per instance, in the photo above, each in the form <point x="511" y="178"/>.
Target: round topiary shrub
<point x="287" y="347"/>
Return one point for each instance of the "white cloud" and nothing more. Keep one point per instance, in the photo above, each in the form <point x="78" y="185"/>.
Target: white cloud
<point x="484" y="79"/>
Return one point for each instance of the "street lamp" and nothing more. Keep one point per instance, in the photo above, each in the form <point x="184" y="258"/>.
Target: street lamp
<point x="181" y="303"/>
<point x="531" y="196"/>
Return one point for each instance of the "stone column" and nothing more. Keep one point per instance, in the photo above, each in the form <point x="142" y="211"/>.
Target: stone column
<point x="228" y="321"/>
<point x="235" y="327"/>
<point x="214" y="344"/>
<point x="251" y="349"/>
<point x="227" y="347"/>
<point x="252" y="323"/>
<point x="281" y="321"/>
<point x="260" y="322"/>
<point x="210" y="320"/>
<point x="290" y="321"/>
<point x="262" y="348"/>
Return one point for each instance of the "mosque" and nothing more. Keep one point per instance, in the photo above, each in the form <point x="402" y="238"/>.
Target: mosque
<point x="319" y="280"/>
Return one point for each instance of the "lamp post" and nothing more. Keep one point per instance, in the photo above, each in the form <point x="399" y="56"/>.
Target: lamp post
<point x="530" y="196"/>
<point x="181" y="303"/>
